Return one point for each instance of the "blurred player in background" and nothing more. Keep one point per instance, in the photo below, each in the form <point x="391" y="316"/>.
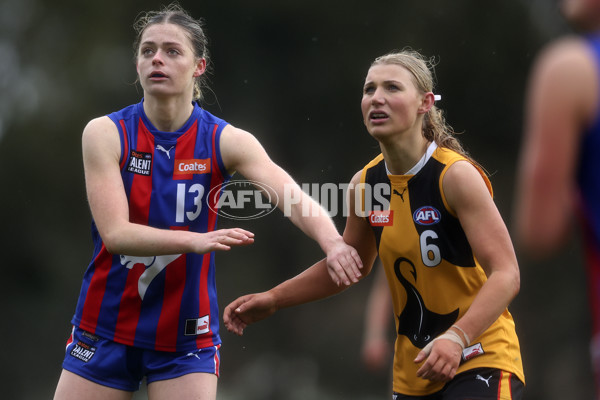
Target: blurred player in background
<point x="559" y="166"/>
<point x="148" y="305"/>
<point x="376" y="350"/>
<point x="446" y="252"/>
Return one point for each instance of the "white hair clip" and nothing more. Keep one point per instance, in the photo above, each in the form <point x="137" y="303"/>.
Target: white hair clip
<point x="437" y="97"/>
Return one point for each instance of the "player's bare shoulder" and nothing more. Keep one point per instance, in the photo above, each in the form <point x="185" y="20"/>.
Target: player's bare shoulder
<point x="240" y="148"/>
<point x="356" y="178"/>
<point x="101" y="136"/>
<point x="568" y="62"/>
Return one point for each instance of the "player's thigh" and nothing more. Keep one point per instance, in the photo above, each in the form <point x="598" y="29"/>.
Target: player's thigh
<point x="198" y="386"/>
<point x="74" y="387"/>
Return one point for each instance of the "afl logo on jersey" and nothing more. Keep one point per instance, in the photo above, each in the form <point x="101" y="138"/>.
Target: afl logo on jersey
<point x="427" y="215"/>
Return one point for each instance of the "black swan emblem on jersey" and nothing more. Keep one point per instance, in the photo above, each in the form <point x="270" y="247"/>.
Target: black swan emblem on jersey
<point x="416" y="322"/>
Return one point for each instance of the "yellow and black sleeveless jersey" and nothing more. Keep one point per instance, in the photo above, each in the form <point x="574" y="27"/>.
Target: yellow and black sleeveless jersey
<point x="431" y="270"/>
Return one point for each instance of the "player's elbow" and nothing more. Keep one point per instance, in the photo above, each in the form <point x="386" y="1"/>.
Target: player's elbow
<point x="541" y="228"/>
<point x="538" y="244"/>
<point x="112" y="246"/>
<point x="514" y="283"/>
<point x="507" y="280"/>
<point x="112" y="241"/>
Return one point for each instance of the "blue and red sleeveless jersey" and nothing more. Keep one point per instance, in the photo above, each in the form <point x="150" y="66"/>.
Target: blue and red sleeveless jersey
<point x="166" y="303"/>
<point x="589" y="187"/>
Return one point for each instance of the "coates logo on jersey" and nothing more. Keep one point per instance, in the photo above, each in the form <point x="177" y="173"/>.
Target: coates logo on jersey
<point x="381" y="218"/>
<point x="427" y="216"/>
<point x="184" y="169"/>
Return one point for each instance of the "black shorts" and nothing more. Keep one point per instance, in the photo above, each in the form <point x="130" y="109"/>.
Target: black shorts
<point x="476" y="384"/>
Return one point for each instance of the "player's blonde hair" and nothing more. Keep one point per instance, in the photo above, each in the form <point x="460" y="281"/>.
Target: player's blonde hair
<point x="435" y="128"/>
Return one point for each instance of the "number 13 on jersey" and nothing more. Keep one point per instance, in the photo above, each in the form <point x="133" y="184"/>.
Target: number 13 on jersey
<point x="189" y="199"/>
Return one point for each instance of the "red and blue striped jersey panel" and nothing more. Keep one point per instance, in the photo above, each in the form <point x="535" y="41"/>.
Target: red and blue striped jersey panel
<point x="167" y="302"/>
<point x="589" y="187"/>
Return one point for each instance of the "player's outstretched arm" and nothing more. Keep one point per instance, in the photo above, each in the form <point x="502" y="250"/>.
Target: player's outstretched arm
<point x="242" y="152"/>
<point x="312" y="284"/>
<point x="110" y="209"/>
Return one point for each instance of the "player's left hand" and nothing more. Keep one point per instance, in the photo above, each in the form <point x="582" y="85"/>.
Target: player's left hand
<point x="343" y="263"/>
<point x="441" y="360"/>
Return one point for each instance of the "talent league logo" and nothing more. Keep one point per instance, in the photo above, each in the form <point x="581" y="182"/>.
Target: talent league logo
<point x="83" y="351"/>
<point x="140" y="163"/>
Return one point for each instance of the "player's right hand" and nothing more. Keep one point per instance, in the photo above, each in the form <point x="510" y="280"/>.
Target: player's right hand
<point x="248" y="309"/>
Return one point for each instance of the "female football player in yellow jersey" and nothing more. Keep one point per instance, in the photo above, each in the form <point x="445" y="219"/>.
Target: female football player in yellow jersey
<point x="426" y="209"/>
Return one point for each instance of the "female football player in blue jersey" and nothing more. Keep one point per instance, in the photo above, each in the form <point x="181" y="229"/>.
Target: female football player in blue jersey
<point x="148" y="306"/>
<point x="444" y="247"/>
<point x="558" y="175"/>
